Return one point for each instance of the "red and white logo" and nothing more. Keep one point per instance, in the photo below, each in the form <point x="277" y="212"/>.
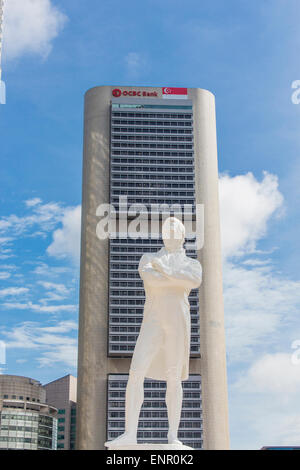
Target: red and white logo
<point x="116" y="93"/>
<point x="175" y="93"/>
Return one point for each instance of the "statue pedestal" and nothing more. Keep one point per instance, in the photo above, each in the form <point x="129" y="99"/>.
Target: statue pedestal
<point x="158" y="447"/>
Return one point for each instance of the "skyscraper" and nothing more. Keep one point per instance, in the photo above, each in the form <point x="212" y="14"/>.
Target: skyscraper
<point x="61" y="393"/>
<point x="149" y="146"/>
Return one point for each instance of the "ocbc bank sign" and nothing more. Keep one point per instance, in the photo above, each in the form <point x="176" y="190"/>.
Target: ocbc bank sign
<point x="117" y="93"/>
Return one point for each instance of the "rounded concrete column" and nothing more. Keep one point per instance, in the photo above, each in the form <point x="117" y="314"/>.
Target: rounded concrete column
<point x="93" y="324"/>
<point x="212" y="332"/>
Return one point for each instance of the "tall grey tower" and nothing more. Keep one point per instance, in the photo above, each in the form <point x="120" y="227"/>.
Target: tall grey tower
<point x="152" y="146"/>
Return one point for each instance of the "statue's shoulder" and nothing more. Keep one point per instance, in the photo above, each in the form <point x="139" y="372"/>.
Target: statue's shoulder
<point x="147" y="257"/>
<point x="193" y="262"/>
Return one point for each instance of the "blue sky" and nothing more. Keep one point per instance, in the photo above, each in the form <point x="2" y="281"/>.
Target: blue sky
<point x="246" y="53"/>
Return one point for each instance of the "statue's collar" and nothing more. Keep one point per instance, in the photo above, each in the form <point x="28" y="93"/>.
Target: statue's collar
<point x="179" y="251"/>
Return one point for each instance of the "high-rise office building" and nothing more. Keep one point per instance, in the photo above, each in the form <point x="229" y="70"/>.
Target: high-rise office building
<point x="149" y="146"/>
<point x="26" y="421"/>
<point x="62" y="394"/>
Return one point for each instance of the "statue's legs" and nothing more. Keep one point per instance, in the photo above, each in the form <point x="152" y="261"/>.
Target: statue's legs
<point x="146" y="347"/>
<point x="175" y="350"/>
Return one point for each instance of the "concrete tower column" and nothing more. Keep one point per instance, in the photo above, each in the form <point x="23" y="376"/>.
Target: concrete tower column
<point x="92" y="348"/>
<point x="212" y="332"/>
<point x="93" y="362"/>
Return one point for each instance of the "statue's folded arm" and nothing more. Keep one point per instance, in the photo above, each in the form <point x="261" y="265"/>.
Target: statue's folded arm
<point x="188" y="275"/>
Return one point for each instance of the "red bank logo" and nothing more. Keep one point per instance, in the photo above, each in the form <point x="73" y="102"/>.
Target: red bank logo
<point x="117" y="93"/>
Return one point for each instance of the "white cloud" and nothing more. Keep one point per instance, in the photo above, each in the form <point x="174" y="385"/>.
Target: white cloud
<point x="66" y="240"/>
<point x="274" y="374"/>
<point x="33" y="202"/>
<point x="246" y="207"/>
<point x="13" y="291"/>
<point x="43" y="217"/>
<point x="53" y="343"/>
<point x="30" y="26"/>
<point x="4" y="275"/>
<point x="47" y="271"/>
<point x="60" y="288"/>
<point x="39" y="308"/>
<point x="135" y="63"/>
<point x="55" y="292"/>
<point x="265" y="403"/>
<point x="259" y="305"/>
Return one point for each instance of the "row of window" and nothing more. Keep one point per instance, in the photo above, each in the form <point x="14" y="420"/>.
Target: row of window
<point x="152" y="138"/>
<point x="157" y="404"/>
<point x="153" y="194"/>
<point x="164" y="185"/>
<point x="139" y="302"/>
<point x="157" y="424"/>
<point x="153" y="115"/>
<point x="160" y="122"/>
<point x="154" y="394"/>
<point x="149" y="130"/>
<point x="134" y="249"/>
<point x="183" y="167"/>
<point x="140" y="241"/>
<point x="127" y="348"/>
<point x="138" y="320"/>
<point x="15" y="397"/>
<point x="162" y="178"/>
<point x="152" y="153"/>
<point x="25" y="417"/>
<point x="135" y="329"/>
<point x="113" y="384"/>
<point x="144" y="145"/>
<point x="4" y="427"/>
<point x="157" y="414"/>
<point x="149" y="202"/>
<point x="151" y="161"/>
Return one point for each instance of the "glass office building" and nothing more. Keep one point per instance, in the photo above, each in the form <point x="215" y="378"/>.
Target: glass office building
<point x="26" y="421"/>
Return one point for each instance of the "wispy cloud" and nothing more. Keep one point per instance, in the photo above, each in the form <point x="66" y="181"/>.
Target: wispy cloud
<point x="39" y="308"/>
<point x="53" y="343"/>
<point x="13" y="291"/>
<point x="135" y="64"/>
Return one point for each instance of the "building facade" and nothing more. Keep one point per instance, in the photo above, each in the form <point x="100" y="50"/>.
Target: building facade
<point x="26" y="421"/>
<point x="151" y="147"/>
<point x="62" y="393"/>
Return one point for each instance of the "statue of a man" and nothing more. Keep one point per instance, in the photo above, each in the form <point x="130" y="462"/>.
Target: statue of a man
<point x="162" y="350"/>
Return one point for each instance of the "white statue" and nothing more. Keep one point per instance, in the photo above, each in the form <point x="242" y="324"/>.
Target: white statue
<point x="162" y="350"/>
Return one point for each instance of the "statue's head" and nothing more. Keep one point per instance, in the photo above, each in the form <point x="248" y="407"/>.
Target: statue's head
<point x="173" y="233"/>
